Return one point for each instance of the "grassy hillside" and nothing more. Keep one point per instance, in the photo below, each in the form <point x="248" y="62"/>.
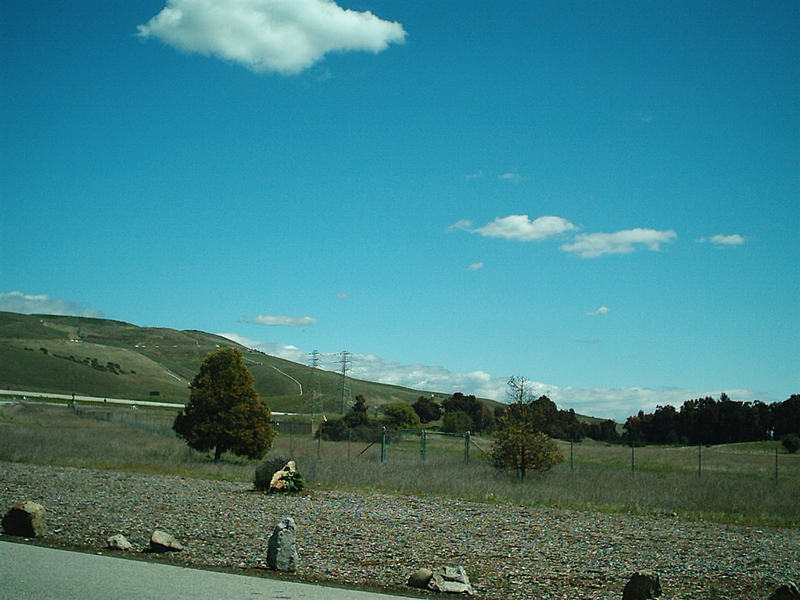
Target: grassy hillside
<point x="100" y="357"/>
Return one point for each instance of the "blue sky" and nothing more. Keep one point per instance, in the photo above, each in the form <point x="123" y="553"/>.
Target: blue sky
<point x="601" y="197"/>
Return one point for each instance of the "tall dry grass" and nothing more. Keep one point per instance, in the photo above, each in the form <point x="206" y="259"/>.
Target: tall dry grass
<point x="734" y="484"/>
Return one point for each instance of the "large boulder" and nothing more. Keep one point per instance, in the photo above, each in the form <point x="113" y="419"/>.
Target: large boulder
<point x="643" y="585"/>
<point x="25" y="519"/>
<point x="160" y="541"/>
<point x="787" y="591"/>
<point x="282" y="547"/>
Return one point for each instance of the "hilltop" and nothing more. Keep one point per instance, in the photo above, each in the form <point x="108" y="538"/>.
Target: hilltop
<point x="102" y="357"/>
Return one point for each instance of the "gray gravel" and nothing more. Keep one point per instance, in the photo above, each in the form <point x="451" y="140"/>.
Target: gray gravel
<point x="376" y="540"/>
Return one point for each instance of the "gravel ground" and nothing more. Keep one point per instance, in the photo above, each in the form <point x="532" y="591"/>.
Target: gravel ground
<point x="376" y="540"/>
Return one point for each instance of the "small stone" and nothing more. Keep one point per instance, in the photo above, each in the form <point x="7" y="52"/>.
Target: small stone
<point x="643" y="585"/>
<point x="420" y="579"/>
<point x="161" y="541"/>
<point x="451" y="580"/>
<point x="25" y="519"/>
<point x="282" y="547"/>
<point x="119" y="542"/>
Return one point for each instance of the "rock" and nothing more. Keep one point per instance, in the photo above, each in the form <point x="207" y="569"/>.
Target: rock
<point x="161" y="541"/>
<point x="119" y="542"/>
<point x="787" y="591"/>
<point x="282" y="547"/>
<point x="25" y="519"/>
<point x="277" y="484"/>
<point x="451" y="580"/>
<point x="420" y="579"/>
<point x="642" y="585"/>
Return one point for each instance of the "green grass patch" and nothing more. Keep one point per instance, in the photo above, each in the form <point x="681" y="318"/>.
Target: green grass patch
<point x="736" y="484"/>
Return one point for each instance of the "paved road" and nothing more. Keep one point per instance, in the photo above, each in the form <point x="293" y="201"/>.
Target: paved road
<point x="37" y="573"/>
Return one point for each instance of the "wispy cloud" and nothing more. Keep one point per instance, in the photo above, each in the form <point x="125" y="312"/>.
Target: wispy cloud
<point x="42" y="304"/>
<point x="281" y="321"/>
<point x="602" y="402"/>
<point x="475" y="266"/>
<point x="603" y="310"/>
<point x="592" y="245"/>
<point x="286" y="36"/>
<point x="724" y="240"/>
<point x="518" y="227"/>
<point x="476" y="175"/>
<point x="512" y="177"/>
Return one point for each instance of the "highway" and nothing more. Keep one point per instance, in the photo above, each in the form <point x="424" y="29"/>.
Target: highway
<point x="23" y="395"/>
<point x="39" y="573"/>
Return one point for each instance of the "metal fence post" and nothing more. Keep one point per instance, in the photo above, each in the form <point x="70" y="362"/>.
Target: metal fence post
<point x="422" y="444"/>
<point x="699" y="460"/>
<point x="466" y="445"/>
<point x="349" y="442"/>
<point x="776" y="465"/>
<point x="572" y="455"/>
<point x="633" y="458"/>
<point x="383" y="445"/>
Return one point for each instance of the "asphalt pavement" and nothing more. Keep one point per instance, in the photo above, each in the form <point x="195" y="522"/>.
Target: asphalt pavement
<point x="36" y="572"/>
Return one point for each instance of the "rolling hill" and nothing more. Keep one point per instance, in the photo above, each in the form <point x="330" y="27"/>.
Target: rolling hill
<point x="101" y="357"/>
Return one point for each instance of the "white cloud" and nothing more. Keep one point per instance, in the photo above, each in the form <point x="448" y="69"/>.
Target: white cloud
<point x="601" y="402"/>
<point x="42" y="304"/>
<point x="592" y="245"/>
<point x="464" y="224"/>
<point x="476" y="266"/>
<point x="281" y="320"/>
<point x="519" y="227"/>
<point x="477" y="175"/>
<point x="285" y="351"/>
<point x="512" y="177"/>
<point x="286" y="36"/>
<point x="603" y="310"/>
<point x="727" y="240"/>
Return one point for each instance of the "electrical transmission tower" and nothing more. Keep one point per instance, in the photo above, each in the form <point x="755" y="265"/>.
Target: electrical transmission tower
<point x="314" y="387"/>
<point x="344" y="385"/>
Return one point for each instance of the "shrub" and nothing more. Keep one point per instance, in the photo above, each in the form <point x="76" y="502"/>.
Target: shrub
<point x="456" y="421"/>
<point x="791" y="442"/>
<point x="294" y="483"/>
<point x="400" y="415"/>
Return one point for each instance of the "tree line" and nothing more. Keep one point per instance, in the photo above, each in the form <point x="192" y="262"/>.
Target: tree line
<point x="225" y="414"/>
<point x="708" y="421"/>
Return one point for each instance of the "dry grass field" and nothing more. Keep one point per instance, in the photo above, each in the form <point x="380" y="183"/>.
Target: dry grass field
<point x="727" y="484"/>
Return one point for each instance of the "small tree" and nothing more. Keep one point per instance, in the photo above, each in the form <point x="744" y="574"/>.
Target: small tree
<point x="519" y="444"/>
<point x="400" y="415"/>
<point x="456" y="421"/>
<point x="791" y="442"/>
<point x="224" y="412"/>
<point x="481" y="417"/>
<point x="427" y="409"/>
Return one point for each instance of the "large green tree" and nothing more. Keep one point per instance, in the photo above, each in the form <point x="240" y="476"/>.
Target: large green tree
<point x="519" y="442"/>
<point x="400" y="415"/>
<point x="224" y="412"/>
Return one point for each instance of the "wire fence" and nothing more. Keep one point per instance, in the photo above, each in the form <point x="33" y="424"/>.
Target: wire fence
<point x="428" y="445"/>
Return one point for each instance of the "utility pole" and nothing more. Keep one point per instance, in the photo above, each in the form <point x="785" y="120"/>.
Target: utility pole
<point x="344" y="386"/>
<point x="316" y="394"/>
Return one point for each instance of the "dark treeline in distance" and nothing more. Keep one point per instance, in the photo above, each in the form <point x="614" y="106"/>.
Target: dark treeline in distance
<point x="707" y="421"/>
